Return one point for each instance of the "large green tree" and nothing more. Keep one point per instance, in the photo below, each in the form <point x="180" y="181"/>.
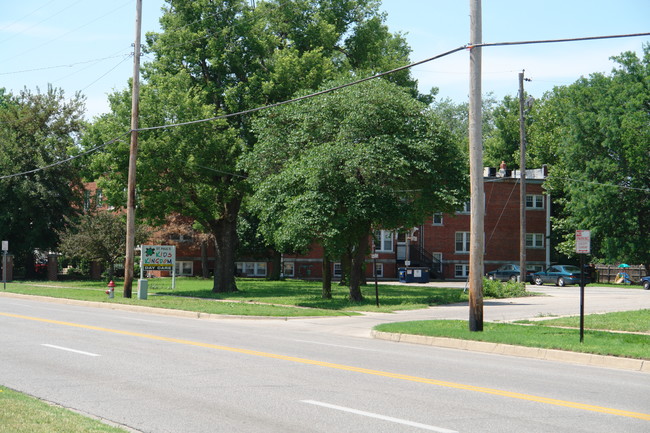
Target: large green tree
<point x="37" y="129"/>
<point x="217" y="57"/>
<point x="333" y="169"/>
<point x="597" y="136"/>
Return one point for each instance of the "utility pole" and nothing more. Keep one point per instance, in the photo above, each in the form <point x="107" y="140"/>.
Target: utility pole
<point x="477" y="236"/>
<point x="522" y="184"/>
<point x="133" y="153"/>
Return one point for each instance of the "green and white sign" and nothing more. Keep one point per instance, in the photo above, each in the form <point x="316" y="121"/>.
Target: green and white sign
<point x="158" y="257"/>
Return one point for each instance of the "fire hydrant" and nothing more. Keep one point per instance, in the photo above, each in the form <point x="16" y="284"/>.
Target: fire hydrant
<point x="111" y="290"/>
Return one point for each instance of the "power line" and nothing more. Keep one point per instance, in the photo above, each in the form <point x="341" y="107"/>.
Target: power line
<point x="312" y="95"/>
<point x="68" y="65"/>
<point x="302" y="98"/>
<point x="63" y="161"/>
<point x="611" y="185"/>
<point x="551" y="41"/>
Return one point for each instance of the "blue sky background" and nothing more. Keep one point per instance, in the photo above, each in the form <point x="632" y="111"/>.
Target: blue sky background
<point x="84" y="45"/>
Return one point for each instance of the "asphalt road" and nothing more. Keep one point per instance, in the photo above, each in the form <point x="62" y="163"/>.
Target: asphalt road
<point x="163" y="373"/>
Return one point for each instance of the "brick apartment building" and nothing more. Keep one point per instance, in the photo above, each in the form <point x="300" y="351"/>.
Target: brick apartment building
<point x="440" y="244"/>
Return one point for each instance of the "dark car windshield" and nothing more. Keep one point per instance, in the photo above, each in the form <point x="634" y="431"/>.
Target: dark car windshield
<point x="572" y="269"/>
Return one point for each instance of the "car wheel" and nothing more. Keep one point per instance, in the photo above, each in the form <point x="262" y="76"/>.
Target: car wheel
<point x="646" y="285"/>
<point x="560" y="282"/>
<point x="538" y="281"/>
<point x="513" y="278"/>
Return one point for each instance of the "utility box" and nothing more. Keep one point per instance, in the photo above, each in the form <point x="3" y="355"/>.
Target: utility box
<point x="413" y="275"/>
<point x="143" y="288"/>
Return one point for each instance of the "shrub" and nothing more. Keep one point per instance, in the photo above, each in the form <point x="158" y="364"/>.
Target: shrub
<point x="508" y="289"/>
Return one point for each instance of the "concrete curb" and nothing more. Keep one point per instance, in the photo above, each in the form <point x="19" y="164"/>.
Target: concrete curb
<point x="521" y="351"/>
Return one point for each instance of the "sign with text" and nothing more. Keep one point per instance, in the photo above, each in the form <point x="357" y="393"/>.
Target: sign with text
<point x="583" y="241"/>
<point x="158" y="257"/>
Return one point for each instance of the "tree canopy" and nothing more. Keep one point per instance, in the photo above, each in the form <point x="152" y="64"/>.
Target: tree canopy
<point x="601" y="135"/>
<point x="37" y="129"/>
<point x="333" y="169"/>
<point x="222" y="57"/>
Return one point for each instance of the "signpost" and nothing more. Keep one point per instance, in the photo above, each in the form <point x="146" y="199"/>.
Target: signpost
<point x="159" y="258"/>
<point x="583" y="246"/>
<point x="375" y="256"/>
<point x="5" y="248"/>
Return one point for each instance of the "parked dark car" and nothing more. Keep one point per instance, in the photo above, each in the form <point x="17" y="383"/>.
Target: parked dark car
<point x="645" y="281"/>
<point x="560" y="275"/>
<point x="508" y="272"/>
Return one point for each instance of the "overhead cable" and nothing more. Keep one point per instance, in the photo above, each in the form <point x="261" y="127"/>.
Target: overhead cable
<point x="63" y="161"/>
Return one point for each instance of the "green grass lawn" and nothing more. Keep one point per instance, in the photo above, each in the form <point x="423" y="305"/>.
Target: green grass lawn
<point x="20" y="413"/>
<point x="548" y="334"/>
<point x="627" y="321"/>
<point x="255" y="297"/>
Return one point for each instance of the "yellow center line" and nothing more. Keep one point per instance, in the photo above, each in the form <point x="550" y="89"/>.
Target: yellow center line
<point x="502" y="393"/>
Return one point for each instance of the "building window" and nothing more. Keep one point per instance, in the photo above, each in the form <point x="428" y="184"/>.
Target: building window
<point x="384" y="241"/>
<point x="462" y="242"/>
<point x="338" y="270"/>
<point x="461" y="271"/>
<point x="467" y="208"/>
<point x="534" y="240"/>
<point x="437" y="219"/>
<point x="288" y="269"/>
<point x="185" y="268"/>
<point x="176" y="237"/>
<point x="535" y="201"/>
<point x="99" y="198"/>
<point x="379" y="270"/>
<point x="86" y="200"/>
<point x="256" y="269"/>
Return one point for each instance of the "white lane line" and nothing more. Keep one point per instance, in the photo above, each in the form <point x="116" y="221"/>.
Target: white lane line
<point x="338" y="345"/>
<point x="382" y="417"/>
<point x="81" y="352"/>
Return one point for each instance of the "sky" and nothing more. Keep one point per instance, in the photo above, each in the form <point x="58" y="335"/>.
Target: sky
<point x="85" y="45"/>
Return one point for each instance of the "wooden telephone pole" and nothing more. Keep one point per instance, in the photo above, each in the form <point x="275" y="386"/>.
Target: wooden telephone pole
<point x="522" y="185"/>
<point x="477" y="236"/>
<point x="133" y="153"/>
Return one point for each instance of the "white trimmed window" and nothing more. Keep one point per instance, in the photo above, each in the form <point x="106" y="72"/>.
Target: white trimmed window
<point x="338" y="270"/>
<point x="437" y="219"/>
<point x="461" y="271"/>
<point x="185" y="268"/>
<point x="534" y="201"/>
<point x="256" y="269"/>
<point x="384" y="241"/>
<point x="379" y="270"/>
<point x="288" y="269"/>
<point x="462" y="242"/>
<point x="534" y="240"/>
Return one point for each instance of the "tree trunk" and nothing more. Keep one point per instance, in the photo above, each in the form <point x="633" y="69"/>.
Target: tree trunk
<point x="358" y="265"/>
<point x="205" y="273"/>
<point x="327" y="277"/>
<point x="276" y="266"/>
<point x="225" y="240"/>
<point x="346" y="266"/>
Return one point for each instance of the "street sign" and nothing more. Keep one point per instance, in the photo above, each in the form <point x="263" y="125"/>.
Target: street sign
<point x="5" y="245"/>
<point x="583" y="241"/>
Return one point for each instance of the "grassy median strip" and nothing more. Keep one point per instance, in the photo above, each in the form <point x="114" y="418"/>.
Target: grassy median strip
<point x="598" y="342"/>
<point x="256" y="297"/>
<point x="20" y="413"/>
<point x="627" y="321"/>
